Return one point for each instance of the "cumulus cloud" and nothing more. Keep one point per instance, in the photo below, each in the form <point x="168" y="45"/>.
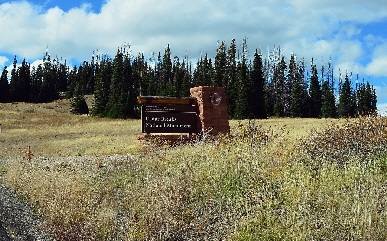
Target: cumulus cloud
<point x="318" y="29"/>
<point x="3" y="59"/>
<point x="381" y="91"/>
<point x="377" y="66"/>
<point x="382" y="109"/>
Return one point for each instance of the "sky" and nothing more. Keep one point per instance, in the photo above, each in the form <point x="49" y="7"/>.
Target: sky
<point x="352" y="33"/>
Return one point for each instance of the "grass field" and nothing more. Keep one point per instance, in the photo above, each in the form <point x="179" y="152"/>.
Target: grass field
<point x="275" y="179"/>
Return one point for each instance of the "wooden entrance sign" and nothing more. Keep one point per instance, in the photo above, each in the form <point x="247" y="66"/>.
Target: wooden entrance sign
<point x="169" y="118"/>
<point x="168" y="115"/>
<point x="204" y="113"/>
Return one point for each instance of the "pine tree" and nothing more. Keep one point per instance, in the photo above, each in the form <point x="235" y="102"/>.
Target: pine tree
<point x="102" y="87"/>
<point x="372" y="99"/>
<point x="131" y="88"/>
<point x="115" y="108"/>
<point x="279" y="79"/>
<point x="4" y="87"/>
<point x="300" y="95"/>
<point x="24" y="85"/>
<point x="36" y="83"/>
<point x="140" y="75"/>
<point x="166" y="73"/>
<point x="269" y="87"/>
<point x="14" y="82"/>
<point x="177" y="73"/>
<point x="78" y="102"/>
<point x="257" y="93"/>
<point x="220" y="78"/>
<point x="203" y="72"/>
<point x="366" y="99"/>
<point x="314" y="93"/>
<point x="72" y="82"/>
<point x="186" y="81"/>
<point x="232" y="81"/>
<point x="243" y="104"/>
<point x="346" y="106"/>
<point x="297" y="101"/>
<point x="328" y="108"/>
<point x="48" y="89"/>
<point x="63" y="71"/>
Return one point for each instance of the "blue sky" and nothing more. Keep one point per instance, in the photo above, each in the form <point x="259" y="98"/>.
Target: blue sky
<point x="353" y="33"/>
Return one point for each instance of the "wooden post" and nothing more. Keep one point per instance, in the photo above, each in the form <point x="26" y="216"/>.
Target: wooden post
<point x="29" y="153"/>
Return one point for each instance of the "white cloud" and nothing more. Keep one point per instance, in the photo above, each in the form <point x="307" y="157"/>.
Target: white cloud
<point x="377" y="67"/>
<point x="381" y="91"/>
<point x="3" y="59"/>
<point x="318" y="29"/>
<point x="382" y="109"/>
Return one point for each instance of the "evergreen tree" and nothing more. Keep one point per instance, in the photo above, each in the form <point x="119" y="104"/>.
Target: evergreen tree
<point x="298" y="90"/>
<point x="372" y="100"/>
<point x="78" y="102"/>
<point x="48" y="89"/>
<point x="232" y="81"/>
<point x="269" y="87"/>
<point x="346" y="106"/>
<point x="36" y="83"/>
<point x="166" y="74"/>
<point x="366" y="99"/>
<point x="158" y="76"/>
<point x="116" y="107"/>
<point x="140" y="75"/>
<point x="62" y="79"/>
<point x="4" y="87"/>
<point x="186" y="81"/>
<point x="203" y="72"/>
<point x="86" y="77"/>
<point x="281" y="104"/>
<point x="102" y="87"/>
<point x="297" y="107"/>
<point x="220" y="78"/>
<point x="300" y="96"/>
<point x="328" y="108"/>
<point x="14" y="82"/>
<point x="314" y="93"/>
<point x="24" y="82"/>
<point x="177" y="73"/>
<point x="131" y="88"/>
<point x="72" y="82"/>
<point x="257" y="93"/>
<point x="243" y="105"/>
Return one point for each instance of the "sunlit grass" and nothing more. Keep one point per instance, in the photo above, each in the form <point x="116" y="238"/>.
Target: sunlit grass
<point x="264" y="182"/>
<point x="51" y="133"/>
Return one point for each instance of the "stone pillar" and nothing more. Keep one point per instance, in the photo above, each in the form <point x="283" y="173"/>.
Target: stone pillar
<point x="213" y="113"/>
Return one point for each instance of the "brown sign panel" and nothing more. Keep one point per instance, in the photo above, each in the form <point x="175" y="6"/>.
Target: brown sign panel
<point x="169" y="118"/>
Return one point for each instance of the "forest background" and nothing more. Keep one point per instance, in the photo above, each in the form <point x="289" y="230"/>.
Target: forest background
<point x="256" y="87"/>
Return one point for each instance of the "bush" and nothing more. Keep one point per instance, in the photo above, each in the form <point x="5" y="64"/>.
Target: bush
<point x="79" y="105"/>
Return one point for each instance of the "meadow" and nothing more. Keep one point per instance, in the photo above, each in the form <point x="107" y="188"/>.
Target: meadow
<point x="274" y="179"/>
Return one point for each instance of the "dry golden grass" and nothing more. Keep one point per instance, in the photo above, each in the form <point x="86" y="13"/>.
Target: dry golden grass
<point x="265" y="182"/>
<point x="51" y="130"/>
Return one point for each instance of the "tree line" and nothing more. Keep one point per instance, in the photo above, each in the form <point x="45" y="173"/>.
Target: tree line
<point x="256" y="87"/>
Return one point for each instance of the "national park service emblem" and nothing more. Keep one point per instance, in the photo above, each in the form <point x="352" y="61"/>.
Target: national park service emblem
<point x="216" y="99"/>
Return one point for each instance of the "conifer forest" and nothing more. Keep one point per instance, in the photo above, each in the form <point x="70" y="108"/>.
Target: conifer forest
<point x="258" y="85"/>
